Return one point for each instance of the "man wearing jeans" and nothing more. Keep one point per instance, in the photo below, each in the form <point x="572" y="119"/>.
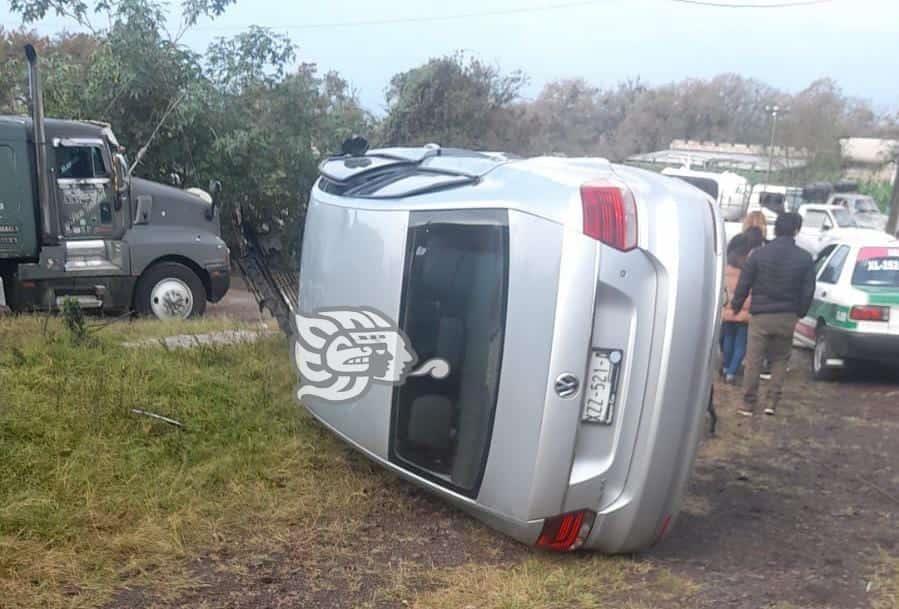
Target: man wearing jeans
<point x="781" y="277"/>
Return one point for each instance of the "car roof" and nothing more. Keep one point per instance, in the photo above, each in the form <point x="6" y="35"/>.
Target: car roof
<point x="723" y="177"/>
<point x="865" y="237"/>
<point x="819" y="207"/>
<point x="850" y="195"/>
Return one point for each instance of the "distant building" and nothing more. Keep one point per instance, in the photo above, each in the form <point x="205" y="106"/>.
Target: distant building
<point x="723" y="156"/>
<point x="869" y="158"/>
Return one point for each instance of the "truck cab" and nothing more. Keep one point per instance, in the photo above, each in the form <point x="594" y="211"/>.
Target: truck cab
<point x="75" y="224"/>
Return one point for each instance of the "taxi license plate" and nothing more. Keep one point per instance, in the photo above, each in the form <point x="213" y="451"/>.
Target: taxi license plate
<point x="602" y="386"/>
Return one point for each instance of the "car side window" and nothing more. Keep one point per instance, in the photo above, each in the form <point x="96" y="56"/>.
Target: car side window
<point x="814" y="219"/>
<point x="831" y="272"/>
<point x="822" y="258"/>
<point x="80" y="162"/>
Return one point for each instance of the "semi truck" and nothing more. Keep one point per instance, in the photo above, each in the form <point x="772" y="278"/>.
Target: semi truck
<point x="76" y="224"/>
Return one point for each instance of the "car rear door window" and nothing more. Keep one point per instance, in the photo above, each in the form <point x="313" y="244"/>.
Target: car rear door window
<point x="831" y="272"/>
<point x="454" y="307"/>
<point x="822" y="258"/>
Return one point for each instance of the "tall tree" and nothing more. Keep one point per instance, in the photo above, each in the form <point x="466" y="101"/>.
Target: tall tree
<point x="452" y="100"/>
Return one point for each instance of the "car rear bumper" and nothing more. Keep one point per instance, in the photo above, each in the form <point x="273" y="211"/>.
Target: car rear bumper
<point x="858" y="345"/>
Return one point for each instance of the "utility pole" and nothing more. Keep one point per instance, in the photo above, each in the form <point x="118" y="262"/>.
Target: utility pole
<point x="773" y="111"/>
<point x="894" y="202"/>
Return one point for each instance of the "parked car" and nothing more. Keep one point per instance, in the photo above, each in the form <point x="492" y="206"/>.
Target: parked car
<point x="823" y="225"/>
<point x="558" y="315"/>
<point x="864" y="209"/>
<point x="730" y="190"/>
<point x="855" y="313"/>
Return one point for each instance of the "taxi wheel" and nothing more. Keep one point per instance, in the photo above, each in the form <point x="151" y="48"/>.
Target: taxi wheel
<point x="820" y="370"/>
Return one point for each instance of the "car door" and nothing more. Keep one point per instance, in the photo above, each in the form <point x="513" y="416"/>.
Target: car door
<point x="814" y="222"/>
<point x="826" y="285"/>
<point x="91" y="220"/>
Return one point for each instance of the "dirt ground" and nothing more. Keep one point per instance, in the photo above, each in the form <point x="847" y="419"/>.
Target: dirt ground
<point x="238" y="303"/>
<point x="793" y="511"/>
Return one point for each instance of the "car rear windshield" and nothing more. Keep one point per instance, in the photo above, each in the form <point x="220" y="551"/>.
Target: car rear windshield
<point x="877" y="267"/>
<point x="866" y="206"/>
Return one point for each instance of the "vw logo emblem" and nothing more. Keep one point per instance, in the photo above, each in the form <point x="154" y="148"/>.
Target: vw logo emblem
<point x="567" y="385"/>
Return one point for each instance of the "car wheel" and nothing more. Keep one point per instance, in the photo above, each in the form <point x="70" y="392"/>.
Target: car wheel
<point x="820" y="370"/>
<point x="169" y="290"/>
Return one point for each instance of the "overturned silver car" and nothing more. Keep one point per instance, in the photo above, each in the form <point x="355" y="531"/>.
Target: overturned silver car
<point x="529" y="339"/>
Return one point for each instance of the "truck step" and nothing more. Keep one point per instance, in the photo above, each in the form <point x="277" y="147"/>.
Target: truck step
<point x="85" y="302"/>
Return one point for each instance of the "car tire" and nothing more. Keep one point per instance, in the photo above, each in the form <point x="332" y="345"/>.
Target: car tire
<point x="169" y="290"/>
<point x="820" y="370"/>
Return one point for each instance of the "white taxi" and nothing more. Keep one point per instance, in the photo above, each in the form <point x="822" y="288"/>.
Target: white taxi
<point x="855" y="312"/>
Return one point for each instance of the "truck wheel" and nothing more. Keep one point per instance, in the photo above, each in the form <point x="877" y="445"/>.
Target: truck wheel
<point x="169" y="290"/>
<point x="820" y="370"/>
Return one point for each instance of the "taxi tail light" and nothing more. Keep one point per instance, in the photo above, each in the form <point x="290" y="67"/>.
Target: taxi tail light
<point x="566" y="532"/>
<point x="869" y="313"/>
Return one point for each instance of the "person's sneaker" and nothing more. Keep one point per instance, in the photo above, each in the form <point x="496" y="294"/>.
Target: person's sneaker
<point x="745" y="411"/>
<point x="765" y="376"/>
<point x="730" y="379"/>
<point x="769" y="411"/>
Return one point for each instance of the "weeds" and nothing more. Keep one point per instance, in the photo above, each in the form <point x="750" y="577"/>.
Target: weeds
<point x="73" y="318"/>
<point x="93" y="497"/>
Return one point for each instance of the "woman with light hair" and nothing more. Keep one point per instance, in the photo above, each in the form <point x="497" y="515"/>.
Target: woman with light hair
<point x="755" y="218"/>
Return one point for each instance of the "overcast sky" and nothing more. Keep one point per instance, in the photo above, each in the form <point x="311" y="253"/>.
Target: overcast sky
<point x="605" y="41"/>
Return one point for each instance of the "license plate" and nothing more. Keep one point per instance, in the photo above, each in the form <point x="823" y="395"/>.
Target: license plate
<point x="602" y="386"/>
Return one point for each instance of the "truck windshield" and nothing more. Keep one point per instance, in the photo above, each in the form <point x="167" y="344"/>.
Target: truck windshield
<point x="877" y="267"/>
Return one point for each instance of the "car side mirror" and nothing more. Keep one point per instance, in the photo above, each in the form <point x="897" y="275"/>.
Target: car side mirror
<point x="825" y="227"/>
<point x="215" y="189"/>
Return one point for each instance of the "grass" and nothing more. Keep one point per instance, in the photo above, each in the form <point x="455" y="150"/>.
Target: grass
<point x="93" y="497"/>
<point x="887" y="583"/>
<point x="559" y="582"/>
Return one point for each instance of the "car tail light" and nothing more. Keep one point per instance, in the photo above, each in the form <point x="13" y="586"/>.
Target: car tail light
<point x="610" y="215"/>
<point x="870" y="313"/>
<point x="566" y="532"/>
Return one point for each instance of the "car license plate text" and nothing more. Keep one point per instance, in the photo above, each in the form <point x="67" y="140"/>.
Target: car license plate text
<point x="602" y="386"/>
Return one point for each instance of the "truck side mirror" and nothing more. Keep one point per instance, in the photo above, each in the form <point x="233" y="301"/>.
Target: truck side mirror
<point x="215" y="189"/>
<point x="120" y="175"/>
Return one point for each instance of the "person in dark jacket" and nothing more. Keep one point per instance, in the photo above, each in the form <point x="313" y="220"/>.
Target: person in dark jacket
<point x="781" y="277"/>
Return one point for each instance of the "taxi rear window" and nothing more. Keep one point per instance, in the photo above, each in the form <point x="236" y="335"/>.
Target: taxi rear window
<point x="877" y="266"/>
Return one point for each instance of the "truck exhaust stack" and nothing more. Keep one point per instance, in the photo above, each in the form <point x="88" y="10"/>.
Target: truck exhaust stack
<point x="36" y="101"/>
